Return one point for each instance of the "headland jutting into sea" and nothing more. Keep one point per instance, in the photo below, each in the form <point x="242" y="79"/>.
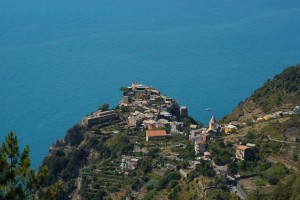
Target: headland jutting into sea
<point x="148" y="145"/>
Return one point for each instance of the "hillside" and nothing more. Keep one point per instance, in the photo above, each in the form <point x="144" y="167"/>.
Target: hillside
<point x="276" y="144"/>
<point x="280" y="93"/>
<point x="148" y="147"/>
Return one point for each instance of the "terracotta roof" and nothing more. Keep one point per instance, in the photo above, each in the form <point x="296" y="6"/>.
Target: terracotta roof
<point x="242" y="147"/>
<point x="200" y="141"/>
<point x="153" y="133"/>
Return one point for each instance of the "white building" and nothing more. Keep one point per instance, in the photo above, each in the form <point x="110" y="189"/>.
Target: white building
<point x="296" y="109"/>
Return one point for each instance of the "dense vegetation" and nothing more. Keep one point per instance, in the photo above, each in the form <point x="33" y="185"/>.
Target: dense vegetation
<point x="288" y="190"/>
<point x="283" y="89"/>
<point x="221" y="152"/>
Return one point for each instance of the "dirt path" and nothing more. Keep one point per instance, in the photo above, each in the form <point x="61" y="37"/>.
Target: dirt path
<point x="282" y="141"/>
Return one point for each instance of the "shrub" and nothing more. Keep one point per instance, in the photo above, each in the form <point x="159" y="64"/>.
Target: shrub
<point x="275" y="173"/>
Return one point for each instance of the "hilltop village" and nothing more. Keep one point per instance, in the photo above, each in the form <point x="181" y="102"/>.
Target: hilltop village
<point x="148" y="147"/>
<point x="161" y="118"/>
<point x="169" y="130"/>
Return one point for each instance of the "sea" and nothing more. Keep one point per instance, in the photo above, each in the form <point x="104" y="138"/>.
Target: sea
<point x="61" y="59"/>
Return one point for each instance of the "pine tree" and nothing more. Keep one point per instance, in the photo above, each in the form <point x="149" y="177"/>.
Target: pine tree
<point x="17" y="179"/>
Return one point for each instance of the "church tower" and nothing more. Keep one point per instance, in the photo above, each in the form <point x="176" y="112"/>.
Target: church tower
<point x="213" y="124"/>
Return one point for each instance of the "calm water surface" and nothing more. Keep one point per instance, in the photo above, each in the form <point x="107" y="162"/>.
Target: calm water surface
<point x="60" y="59"/>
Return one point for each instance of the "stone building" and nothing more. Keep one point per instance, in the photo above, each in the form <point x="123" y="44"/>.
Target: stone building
<point x="183" y="112"/>
<point x="244" y="152"/>
<point x="135" y="121"/>
<point x="99" y="117"/>
<point x="200" y="146"/>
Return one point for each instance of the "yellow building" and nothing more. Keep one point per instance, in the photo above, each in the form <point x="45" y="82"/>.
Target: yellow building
<point x="266" y="117"/>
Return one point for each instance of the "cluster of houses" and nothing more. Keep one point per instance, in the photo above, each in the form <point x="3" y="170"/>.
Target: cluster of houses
<point x="199" y="136"/>
<point x="153" y="111"/>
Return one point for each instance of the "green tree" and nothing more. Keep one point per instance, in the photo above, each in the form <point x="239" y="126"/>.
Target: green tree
<point x="153" y="152"/>
<point x="17" y="179"/>
<point x="254" y="195"/>
<point x="104" y="107"/>
<point x="146" y="165"/>
<point x="124" y="89"/>
<point x="275" y="173"/>
<point x="295" y="157"/>
<point x="232" y="168"/>
<point x="288" y="189"/>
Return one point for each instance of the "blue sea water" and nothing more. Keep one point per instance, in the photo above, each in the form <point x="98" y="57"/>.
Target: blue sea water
<point x="60" y="59"/>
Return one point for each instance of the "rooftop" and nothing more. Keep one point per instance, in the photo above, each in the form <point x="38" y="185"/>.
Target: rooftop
<point x="231" y="126"/>
<point x="153" y="133"/>
<point x="242" y="147"/>
<point x="134" y="160"/>
<point x="200" y="141"/>
<point x="163" y="121"/>
<point x="250" y="145"/>
<point x="193" y="126"/>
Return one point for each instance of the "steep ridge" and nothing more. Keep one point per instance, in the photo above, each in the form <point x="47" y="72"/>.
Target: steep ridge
<point x="279" y="94"/>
